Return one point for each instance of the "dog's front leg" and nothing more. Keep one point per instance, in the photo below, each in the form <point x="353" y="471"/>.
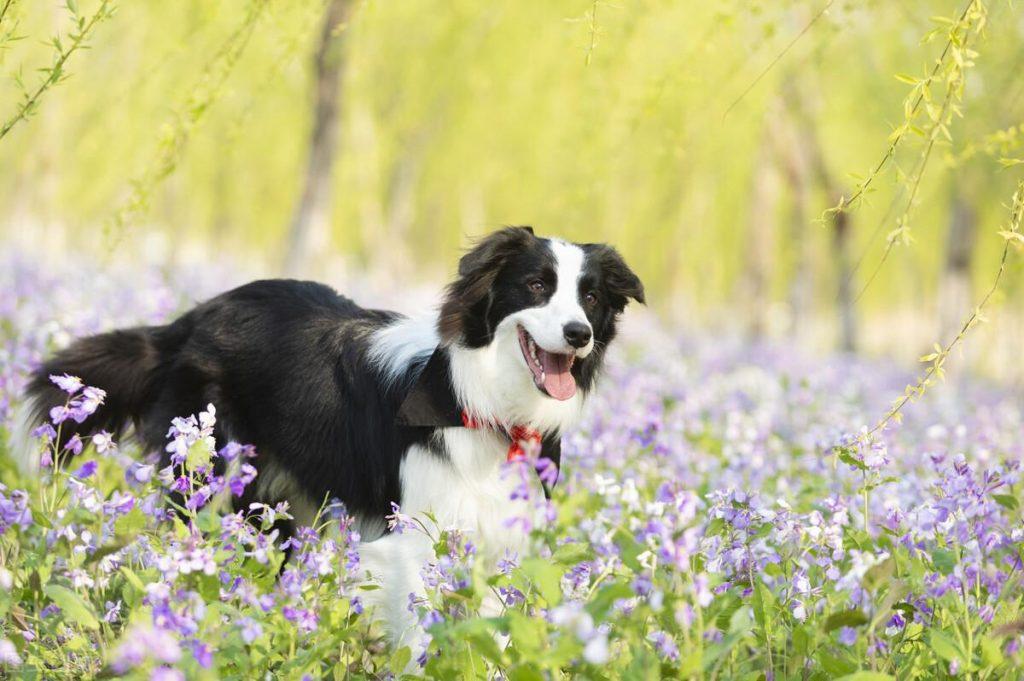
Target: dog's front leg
<point x="394" y="564"/>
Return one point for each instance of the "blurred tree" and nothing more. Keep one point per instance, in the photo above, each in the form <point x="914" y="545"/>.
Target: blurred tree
<point x="310" y="222"/>
<point x="427" y="122"/>
<point x="955" y="290"/>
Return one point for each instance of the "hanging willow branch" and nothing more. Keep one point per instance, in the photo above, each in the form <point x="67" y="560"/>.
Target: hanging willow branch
<point x="4" y="9"/>
<point x="951" y="62"/>
<point x="63" y="50"/>
<point x="176" y="134"/>
<point x="962" y="57"/>
<point x="1013" y="238"/>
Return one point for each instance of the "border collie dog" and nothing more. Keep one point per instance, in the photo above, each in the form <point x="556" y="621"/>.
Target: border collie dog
<point x="372" y="407"/>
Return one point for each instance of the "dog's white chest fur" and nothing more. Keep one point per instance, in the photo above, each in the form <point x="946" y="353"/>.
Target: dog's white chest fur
<point x="471" y="490"/>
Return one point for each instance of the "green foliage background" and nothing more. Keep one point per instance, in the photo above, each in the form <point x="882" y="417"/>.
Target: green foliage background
<point x="636" y="122"/>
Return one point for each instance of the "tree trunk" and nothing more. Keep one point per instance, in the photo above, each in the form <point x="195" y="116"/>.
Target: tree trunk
<point x="844" y="289"/>
<point x="791" y="147"/>
<point x="759" y="245"/>
<point x="311" y="219"/>
<point x="798" y="105"/>
<point x="955" y="297"/>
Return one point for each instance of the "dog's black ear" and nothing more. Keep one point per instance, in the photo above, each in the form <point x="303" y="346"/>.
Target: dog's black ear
<point x="477" y="271"/>
<point x="621" y="283"/>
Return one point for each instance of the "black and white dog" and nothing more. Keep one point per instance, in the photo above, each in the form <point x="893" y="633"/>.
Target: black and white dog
<point x="372" y="407"/>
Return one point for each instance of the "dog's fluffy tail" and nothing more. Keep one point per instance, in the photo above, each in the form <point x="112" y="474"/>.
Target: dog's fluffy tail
<point x="124" y="363"/>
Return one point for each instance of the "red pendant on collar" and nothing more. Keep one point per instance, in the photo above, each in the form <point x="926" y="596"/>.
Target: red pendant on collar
<point x="523" y="438"/>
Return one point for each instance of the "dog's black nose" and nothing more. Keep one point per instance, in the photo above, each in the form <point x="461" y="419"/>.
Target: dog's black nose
<point x="577" y="334"/>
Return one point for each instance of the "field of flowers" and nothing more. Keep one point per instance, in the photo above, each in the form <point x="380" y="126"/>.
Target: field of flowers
<point x="717" y="517"/>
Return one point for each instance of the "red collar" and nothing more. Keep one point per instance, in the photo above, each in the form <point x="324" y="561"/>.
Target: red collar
<point x="523" y="439"/>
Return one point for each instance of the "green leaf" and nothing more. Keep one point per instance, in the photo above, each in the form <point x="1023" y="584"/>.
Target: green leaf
<point x="944" y="560"/>
<point x="847" y="457"/>
<point x="199" y="455"/>
<point x="847" y="618"/>
<point x="399" y="659"/>
<point x="991" y="655"/>
<point x="130" y="524"/>
<point x="605" y="598"/>
<point x="945" y="647"/>
<point x="527" y="633"/>
<point x="1006" y="501"/>
<point x="525" y="672"/>
<point x="801" y="641"/>
<point x="834" y="665"/>
<point x="132" y="578"/>
<point x="72" y="605"/>
<point x="762" y="603"/>
<point x="546" y="577"/>
<point x="629" y="549"/>
<point x="570" y="554"/>
<point x="724" y="617"/>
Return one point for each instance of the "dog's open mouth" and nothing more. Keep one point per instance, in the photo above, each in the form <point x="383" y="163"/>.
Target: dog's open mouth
<point x="552" y="371"/>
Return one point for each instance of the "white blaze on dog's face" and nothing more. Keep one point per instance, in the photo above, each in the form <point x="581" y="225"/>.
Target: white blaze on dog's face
<point x="537" y="315"/>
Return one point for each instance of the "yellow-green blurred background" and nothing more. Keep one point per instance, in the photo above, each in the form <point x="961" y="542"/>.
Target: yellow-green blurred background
<point x="704" y="139"/>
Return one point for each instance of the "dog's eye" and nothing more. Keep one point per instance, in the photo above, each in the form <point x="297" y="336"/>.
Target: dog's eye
<point x="590" y="297"/>
<point x="537" y="286"/>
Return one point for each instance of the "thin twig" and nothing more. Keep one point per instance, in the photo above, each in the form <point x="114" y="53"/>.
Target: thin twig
<point x="186" y="120"/>
<point x="55" y="72"/>
<point x="593" y="31"/>
<point x="939" y="358"/>
<point x="778" y="57"/>
<point x="891" y="151"/>
<point x="3" y="10"/>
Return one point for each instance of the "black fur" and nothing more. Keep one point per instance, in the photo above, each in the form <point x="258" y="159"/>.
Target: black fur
<point x="287" y="365"/>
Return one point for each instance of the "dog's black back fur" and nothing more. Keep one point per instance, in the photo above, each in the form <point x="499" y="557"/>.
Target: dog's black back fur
<point x="281" y="361"/>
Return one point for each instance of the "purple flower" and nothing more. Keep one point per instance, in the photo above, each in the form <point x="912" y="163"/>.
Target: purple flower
<point x="305" y="619"/>
<point x="399" y="522"/>
<point x="14" y="510"/>
<point x="511" y="596"/>
<point x="113" y="612"/>
<point x="45" y="432"/>
<point x="847" y="636"/>
<point x="202" y="654"/>
<point x="250" y="629"/>
<point x="144" y="642"/>
<point x="69" y="384"/>
<point x="664" y="644"/>
<point x="104" y="442"/>
<point x="547" y="471"/>
<point x="74" y="445"/>
<point x="138" y="473"/>
<point x="166" y="674"/>
<point x="9" y="654"/>
<point x="60" y="414"/>
<point x="86" y="470"/>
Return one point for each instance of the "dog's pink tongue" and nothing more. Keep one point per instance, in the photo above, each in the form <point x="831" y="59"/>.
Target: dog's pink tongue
<point x="558" y="380"/>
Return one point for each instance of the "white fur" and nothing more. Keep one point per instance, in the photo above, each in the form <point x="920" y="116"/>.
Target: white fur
<point x="470" y="490"/>
<point x="495" y="384"/>
<point x="394" y="347"/>
<point x="546" y="323"/>
<point x="25" y="450"/>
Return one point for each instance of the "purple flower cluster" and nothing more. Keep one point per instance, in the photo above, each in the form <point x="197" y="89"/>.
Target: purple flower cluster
<point x="14" y="509"/>
<point x="717" y="500"/>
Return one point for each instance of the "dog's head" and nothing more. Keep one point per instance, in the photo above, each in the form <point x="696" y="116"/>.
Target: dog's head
<point x="543" y="309"/>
